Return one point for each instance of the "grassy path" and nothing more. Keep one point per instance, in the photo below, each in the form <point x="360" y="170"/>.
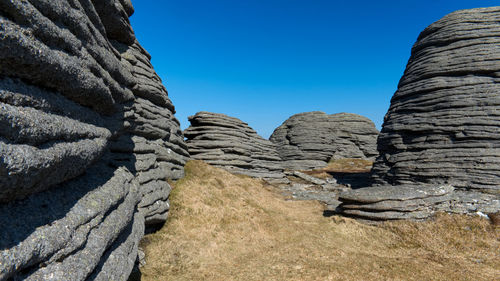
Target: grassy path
<point x="226" y="227"/>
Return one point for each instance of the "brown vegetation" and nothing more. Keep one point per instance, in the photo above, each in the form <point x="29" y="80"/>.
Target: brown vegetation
<point x="346" y="165"/>
<point x="226" y="227"/>
<point x="495" y="218"/>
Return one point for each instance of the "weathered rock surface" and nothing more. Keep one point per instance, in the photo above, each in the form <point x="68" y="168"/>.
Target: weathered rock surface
<point x="87" y="141"/>
<point x="443" y="124"/>
<point x="309" y="140"/>
<point x="442" y="127"/>
<point x="229" y="143"/>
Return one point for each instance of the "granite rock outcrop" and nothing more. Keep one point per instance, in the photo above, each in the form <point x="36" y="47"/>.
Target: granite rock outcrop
<point x="443" y="124"/>
<point x="309" y="140"/>
<point x="88" y="139"/>
<point x="229" y="143"/>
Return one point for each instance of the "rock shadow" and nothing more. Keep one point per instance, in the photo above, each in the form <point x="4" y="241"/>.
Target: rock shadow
<point x="354" y="180"/>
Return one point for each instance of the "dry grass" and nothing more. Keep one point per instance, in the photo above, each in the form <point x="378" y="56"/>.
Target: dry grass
<point x="226" y="227"/>
<point x="346" y="165"/>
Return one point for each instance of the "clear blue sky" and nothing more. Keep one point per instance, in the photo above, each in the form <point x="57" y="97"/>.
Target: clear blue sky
<point x="265" y="60"/>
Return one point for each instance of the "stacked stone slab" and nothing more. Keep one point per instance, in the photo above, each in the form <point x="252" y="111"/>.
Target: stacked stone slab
<point x="229" y="143"/>
<point x="309" y="140"/>
<point x="443" y="124"/>
<point x="87" y="141"/>
<point x="394" y="202"/>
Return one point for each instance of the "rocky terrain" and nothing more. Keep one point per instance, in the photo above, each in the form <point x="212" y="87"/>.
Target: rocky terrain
<point x="442" y="127"/>
<point x="229" y="143"/>
<point x="309" y="140"/>
<point x="88" y="139"/>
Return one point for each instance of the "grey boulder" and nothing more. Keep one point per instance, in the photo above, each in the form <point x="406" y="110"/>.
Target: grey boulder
<point x="309" y="140"/>
<point x="229" y="143"/>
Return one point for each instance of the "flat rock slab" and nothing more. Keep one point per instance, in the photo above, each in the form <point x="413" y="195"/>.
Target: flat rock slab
<point x="414" y="202"/>
<point x="470" y="202"/>
<point x="388" y="215"/>
<point x="388" y="192"/>
<point x="400" y="205"/>
<point x="395" y="202"/>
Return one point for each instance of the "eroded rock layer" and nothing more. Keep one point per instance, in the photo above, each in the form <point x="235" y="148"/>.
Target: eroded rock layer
<point x="309" y="140"/>
<point x="443" y="124"/>
<point x="87" y="141"/>
<point x="229" y="143"/>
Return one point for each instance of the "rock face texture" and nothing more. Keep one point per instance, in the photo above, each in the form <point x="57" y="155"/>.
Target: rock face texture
<point x="309" y="140"/>
<point x="87" y="141"/>
<point x="229" y="143"/>
<point x="443" y="125"/>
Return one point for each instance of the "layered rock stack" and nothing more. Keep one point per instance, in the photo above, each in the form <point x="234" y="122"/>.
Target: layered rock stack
<point x="443" y="124"/>
<point x="309" y="140"/>
<point x="87" y="141"/>
<point x="229" y="143"/>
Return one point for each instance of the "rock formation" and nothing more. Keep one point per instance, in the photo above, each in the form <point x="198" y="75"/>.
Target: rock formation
<point x="229" y="143"/>
<point x="443" y="124"/>
<point x="87" y="141"/>
<point x="309" y="140"/>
